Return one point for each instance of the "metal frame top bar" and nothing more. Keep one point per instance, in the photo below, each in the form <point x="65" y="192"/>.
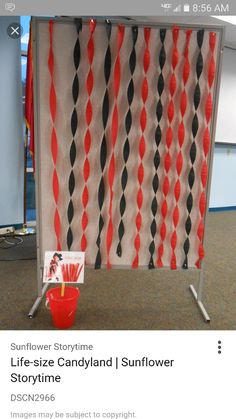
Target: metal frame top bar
<point x="130" y="22"/>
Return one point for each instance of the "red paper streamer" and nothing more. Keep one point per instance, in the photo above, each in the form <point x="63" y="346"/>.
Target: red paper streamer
<point x="206" y="146"/>
<point x="181" y="136"/>
<point x="167" y="158"/>
<point x="179" y="160"/>
<point x="54" y="141"/>
<point x="87" y="138"/>
<point x="142" y="146"/>
<point x="114" y="133"/>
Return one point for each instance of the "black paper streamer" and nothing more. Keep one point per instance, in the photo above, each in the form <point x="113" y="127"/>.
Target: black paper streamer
<point x="126" y="148"/>
<point x="74" y="126"/>
<point x="103" y="149"/>
<point x="158" y="137"/>
<point x="193" y="148"/>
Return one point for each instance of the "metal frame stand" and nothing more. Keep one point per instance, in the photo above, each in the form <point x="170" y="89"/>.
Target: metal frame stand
<point x="197" y="295"/>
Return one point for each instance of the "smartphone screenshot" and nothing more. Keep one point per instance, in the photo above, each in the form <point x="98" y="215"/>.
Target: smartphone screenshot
<point x="117" y="209"/>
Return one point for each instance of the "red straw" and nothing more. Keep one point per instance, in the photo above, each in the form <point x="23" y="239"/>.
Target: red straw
<point x="71" y="272"/>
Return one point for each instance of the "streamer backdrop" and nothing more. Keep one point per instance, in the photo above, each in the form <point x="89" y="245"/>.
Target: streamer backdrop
<point x="125" y="135"/>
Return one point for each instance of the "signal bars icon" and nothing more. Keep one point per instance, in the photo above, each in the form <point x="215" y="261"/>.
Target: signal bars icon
<point x="186" y="8"/>
<point x="177" y="9"/>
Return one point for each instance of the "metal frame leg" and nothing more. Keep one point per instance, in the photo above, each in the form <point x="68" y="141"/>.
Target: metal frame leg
<point x="197" y="295"/>
<point x="37" y="302"/>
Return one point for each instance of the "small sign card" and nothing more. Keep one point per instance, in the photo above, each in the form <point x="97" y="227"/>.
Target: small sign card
<point x="64" y="267"/>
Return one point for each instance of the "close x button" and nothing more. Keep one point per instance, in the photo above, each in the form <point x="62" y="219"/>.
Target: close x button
<point x="14" y="30"/>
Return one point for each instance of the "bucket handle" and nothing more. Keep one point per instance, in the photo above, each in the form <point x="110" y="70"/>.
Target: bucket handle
<point x="47" y="304"/>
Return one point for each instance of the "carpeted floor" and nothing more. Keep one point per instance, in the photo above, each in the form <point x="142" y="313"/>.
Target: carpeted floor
<point x="19" y="251"/>
<point x="152" y="300"/>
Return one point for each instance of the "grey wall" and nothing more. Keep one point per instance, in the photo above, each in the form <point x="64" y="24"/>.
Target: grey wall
<point x="11" y="128"/>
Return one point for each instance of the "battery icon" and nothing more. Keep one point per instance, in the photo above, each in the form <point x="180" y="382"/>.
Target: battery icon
<point x="186" y="7"/>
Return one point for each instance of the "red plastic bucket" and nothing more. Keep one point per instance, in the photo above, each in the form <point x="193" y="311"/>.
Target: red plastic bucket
<point x="62" y="308"/>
